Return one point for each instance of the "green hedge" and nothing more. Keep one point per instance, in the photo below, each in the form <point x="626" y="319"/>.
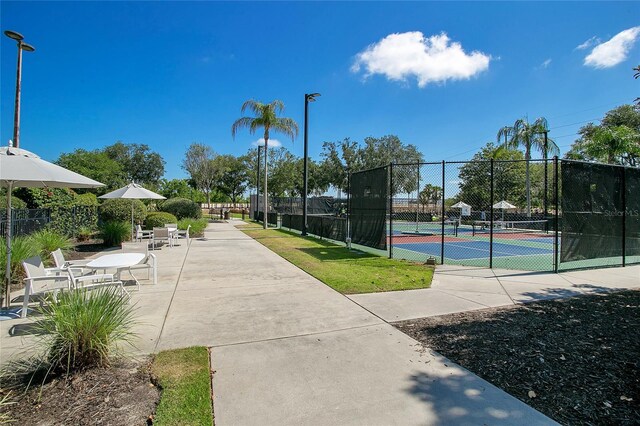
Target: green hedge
<point x="16" y="202"/>
<point x="119" y="210"/>
<point x="158" y="219"/>
<point x="181" y="208"/>
<point x="197" y="226"/>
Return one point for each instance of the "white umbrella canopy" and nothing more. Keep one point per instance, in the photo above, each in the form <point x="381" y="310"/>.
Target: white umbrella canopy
<point x="20" y="168"/>
<point x="133" y="191"/>
<point x="505" y="205"/>
<point x="460" y="205"/>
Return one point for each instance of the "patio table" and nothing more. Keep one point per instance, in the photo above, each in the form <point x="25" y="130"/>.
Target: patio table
<point x="117" y="261"/>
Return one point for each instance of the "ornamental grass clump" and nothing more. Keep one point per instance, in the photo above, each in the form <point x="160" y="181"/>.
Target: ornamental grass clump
<point x="114" y="233"/>
<point x="48" y="240"/>
<point x="85" y="328"/>
<point x="197" y="226"/>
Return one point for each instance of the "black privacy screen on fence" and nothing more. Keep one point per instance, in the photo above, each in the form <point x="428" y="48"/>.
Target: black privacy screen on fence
<point x="368" y="207"/>
<point x="599" y="212"/>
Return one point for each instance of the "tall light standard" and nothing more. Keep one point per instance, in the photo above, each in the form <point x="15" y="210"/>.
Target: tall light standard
<point x="308" y="97"/>
<point x="258" y="183"/>
<point x="16" y="118"/>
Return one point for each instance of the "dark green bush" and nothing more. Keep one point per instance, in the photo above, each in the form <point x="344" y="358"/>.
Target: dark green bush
<point x="181" y="208"/>
<point x="120" y="210"/>
<point x="114" y="233"/>
<point x="87" y="199"/>
<point x="159" y="219"/>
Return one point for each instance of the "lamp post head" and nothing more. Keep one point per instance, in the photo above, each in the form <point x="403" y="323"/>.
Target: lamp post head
<point x="27" y="47"/>
<point x="311" y="97"/>
<point x="14" y="35"/>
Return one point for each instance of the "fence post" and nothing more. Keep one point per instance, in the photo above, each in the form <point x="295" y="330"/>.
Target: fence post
<point x="557" y="215"/>
<point x="390" y="210"/>
<point x="442" y="218"/>
<point x="624" y="216"/>
<point x="348" y="237"/>
<point x="491" y="200"/>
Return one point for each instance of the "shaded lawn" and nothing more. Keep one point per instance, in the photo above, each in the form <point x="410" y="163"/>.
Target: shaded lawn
<point x="185" y="379"/>
<point x="347" y="271"/>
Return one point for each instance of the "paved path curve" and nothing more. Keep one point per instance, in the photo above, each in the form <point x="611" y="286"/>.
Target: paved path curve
<point x="288" y="350"/>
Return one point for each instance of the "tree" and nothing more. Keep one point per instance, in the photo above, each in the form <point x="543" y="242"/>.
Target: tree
<point x="176" y="188"/>
<point x="199" y="163"/>
<point x="475" y="178"/>
<point x="616" y="140"/>
<point x="338" y="159"/>
<point x="430" y="194"/>
<point x="234" y="178"/>
<point x="284" y="176"/>
<point x="140" y="164"/>
<point x="96" y="165"/>
<point x="266" y="118"/>
<point x="529" y="136"/>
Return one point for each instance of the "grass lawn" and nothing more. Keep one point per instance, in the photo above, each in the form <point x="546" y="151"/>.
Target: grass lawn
<point x="184" y="376"/>
<point x="346" y="271"/>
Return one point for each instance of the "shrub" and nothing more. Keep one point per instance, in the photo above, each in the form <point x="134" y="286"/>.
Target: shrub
<point x="158" y="219"/>
<point x="87" y="199"/>
<point x="197" y="226"/>
<point x="120" y="210"/>
<point x="48" y="240"/>
<point x="16" y="202"/>
<point x="21" y="248"/>
<point x="84" y="233"/>
<point x="114" y="233"/>
<point x="181" y="208"/>
<point x="84" y="327"/>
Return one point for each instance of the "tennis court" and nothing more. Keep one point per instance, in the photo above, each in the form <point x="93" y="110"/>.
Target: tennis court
<point x="515" y="244"/>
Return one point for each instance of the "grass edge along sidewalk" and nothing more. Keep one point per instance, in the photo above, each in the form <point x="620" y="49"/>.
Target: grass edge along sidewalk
<point x="184" y="376"/>
<point x="346" y="271"/>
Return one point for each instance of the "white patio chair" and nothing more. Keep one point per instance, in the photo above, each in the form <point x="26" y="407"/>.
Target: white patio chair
<point x="94" y="281"/>
<point x="143" y="234"/>
<point x="41" y="281"/>
<point x="161" y="234"/>
<point x="62" y="264"/>
<point x="149" y="262"/>
<point x="182" y="233"/>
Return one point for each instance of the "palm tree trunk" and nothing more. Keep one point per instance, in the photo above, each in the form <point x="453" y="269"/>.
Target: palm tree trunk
<point x="265" y="208"/>
<point x="528" y="182"/>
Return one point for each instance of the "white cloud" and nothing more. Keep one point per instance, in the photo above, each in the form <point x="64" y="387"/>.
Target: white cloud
<point x="587" y="44"/>
<point x="433" y="59"/>
<point x="614" y="51"/>
<point x="545" y="64"/>
<point x="273" y="143"/>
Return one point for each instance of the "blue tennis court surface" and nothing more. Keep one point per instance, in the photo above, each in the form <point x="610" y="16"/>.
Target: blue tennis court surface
<point x="472" y="249"/>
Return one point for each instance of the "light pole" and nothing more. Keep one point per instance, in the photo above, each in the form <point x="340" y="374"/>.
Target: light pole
<point x="258" y="184"/>
<point x="307" y="98"/>
<point x="16" y="118"/>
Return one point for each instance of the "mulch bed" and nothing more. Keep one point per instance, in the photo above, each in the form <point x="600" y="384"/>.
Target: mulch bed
<point x="121" y="395"/>
<point x="576" y="360"/>
<point x="85" y="250"/>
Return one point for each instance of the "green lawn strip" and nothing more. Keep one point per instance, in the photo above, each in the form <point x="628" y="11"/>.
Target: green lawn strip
<point x="185" y="380"/>
<point x="347" y="271"/>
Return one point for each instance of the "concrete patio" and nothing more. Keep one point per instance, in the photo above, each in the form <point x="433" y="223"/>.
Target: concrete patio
<point x="286" y="349"/>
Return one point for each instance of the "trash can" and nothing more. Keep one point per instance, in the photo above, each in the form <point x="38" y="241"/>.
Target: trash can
<point x="226" y="214"/>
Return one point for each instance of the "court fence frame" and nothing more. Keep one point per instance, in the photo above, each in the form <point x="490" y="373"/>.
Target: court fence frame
<point x="445" y="235"/>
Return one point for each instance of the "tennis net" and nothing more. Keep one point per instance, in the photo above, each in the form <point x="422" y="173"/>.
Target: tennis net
<point x="536" y="228"/>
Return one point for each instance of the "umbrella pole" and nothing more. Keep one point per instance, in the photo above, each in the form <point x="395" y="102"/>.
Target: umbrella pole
<point x="131" y="220"/>
<point x="7" y="295"/>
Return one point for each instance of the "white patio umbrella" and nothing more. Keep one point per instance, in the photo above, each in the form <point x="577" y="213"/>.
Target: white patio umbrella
<point x="133" y="191"/>
<point x="23" y="169"/>
<point x="504" y="205"/>
<point x="462" y="206"/>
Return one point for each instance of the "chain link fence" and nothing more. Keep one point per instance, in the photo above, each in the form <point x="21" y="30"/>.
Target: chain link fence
<point x="510" y="214"/>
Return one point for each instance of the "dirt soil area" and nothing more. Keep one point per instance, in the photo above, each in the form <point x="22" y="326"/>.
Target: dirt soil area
<point x="122" y="395"/>
<point x="576" y="360"/>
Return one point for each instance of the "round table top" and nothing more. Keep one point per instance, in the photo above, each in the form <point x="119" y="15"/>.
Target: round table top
<point x="116" y="260"/>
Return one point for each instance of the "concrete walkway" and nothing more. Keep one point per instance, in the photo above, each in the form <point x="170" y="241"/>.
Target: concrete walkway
<point x="286" y="349"/>
<point x="459" y="289"/>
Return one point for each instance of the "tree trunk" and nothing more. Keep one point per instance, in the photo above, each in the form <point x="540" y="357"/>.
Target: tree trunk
<point x="266" y="156"/>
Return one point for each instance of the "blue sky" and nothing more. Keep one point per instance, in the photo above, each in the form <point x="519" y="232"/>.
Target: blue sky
<point x="171" y="73"/>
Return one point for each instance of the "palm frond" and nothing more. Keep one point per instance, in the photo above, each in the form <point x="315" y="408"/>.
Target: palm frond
<point x="286" y="126"/>
<point x="277" y="106"/>
<point x="243" y="123"/>
<point x="253" y="106"/>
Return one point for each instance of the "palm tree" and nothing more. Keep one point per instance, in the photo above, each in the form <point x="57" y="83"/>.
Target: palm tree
<point x="529" y="136"/>
<point x="266" y="117"/>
